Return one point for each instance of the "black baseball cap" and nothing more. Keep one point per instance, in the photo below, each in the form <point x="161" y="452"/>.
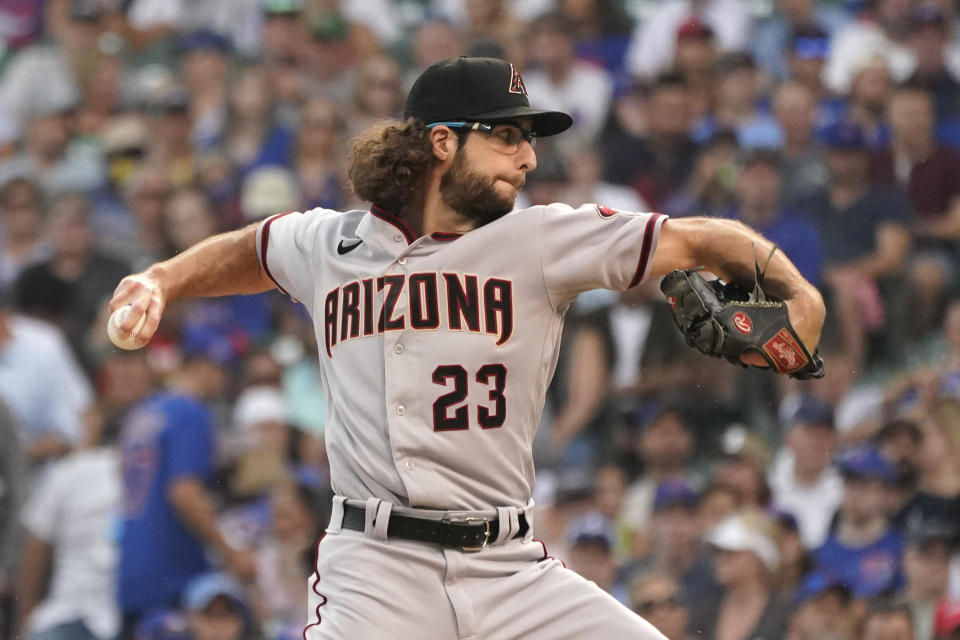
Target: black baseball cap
<point x="477" y="90"/>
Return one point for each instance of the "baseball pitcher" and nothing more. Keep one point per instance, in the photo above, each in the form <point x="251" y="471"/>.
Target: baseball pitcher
<point x="438" y="312"/>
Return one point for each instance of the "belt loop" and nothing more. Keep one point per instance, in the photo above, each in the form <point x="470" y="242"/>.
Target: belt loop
<point x="336" y="515"/>
<point x="509" y="524"/>
<point x="528" y="514"/>
<point x="382" y="520"/>
<point x="371" y="516"/>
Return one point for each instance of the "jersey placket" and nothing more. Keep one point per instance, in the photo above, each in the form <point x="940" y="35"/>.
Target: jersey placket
<point x="403" y="379"/>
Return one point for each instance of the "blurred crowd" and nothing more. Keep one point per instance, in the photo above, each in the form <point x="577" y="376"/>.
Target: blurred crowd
<point x="178" y="491"/>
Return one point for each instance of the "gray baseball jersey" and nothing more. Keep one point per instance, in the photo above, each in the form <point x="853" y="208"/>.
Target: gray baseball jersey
<point x="436" y="352"/>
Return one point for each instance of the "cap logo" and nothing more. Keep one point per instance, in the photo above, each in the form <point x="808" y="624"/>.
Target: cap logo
<point x="516" y="82"/>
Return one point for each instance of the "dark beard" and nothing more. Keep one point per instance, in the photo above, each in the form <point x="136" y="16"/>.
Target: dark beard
<point x="471" y="195"/>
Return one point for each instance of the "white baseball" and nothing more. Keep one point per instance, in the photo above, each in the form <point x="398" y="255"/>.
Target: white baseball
<point x="131" y="341"/>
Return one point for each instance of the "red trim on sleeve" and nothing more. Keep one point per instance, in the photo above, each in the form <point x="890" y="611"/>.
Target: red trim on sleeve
<point x="264" y="239"/>
<point x="386" y="216"/>
<point x="647" y="245"/>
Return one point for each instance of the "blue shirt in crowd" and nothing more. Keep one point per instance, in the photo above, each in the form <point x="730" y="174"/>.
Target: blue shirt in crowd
<point x="868" y="571"/>
<point x="169" y="436"/>
<point x="851" y="233"/>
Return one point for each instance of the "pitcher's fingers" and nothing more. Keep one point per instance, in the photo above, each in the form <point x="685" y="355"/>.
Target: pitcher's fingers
<point x="124" y="293"/>
<point x="138" y="307"/>
<point x="754" y="359"/>
<point x="154" y="313"/>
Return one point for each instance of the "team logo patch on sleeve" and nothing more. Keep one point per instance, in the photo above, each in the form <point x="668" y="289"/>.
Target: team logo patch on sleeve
<point x="606" y="212"/>
<point x="516" y="82"/>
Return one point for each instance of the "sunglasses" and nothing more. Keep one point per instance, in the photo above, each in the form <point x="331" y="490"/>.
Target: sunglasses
<point x="649" y="606"/>
<point x="508" y="137"/>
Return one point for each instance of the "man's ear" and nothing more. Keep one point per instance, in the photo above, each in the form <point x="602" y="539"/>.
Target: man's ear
<point x="443" y="142"/>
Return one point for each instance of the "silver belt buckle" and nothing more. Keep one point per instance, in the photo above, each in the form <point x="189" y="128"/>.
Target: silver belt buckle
<point x="486" y="532"/>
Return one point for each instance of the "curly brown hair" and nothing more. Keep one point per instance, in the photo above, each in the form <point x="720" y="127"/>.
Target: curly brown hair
<point x="388" y="164"/>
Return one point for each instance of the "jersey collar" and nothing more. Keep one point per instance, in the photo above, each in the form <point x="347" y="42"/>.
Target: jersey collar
<point x="396" y="226"/>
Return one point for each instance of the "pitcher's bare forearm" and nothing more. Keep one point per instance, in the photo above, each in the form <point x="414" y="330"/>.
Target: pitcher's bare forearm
<point x="225" y="264"/>
<point x="222" y="265"/>
<point x="726" y="248"/>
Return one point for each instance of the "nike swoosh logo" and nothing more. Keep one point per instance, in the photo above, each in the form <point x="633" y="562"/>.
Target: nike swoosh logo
<point x="343" y="249"/>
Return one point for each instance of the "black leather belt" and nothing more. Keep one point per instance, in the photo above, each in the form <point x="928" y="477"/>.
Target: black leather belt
<point x="465" y="534"/>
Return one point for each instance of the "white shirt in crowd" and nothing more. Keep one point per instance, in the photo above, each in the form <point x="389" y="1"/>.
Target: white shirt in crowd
<point x="813" y="505"/>
<point x="654" y="40"/>
<point x="585" y="94"/>
<point x="78" y="525"/>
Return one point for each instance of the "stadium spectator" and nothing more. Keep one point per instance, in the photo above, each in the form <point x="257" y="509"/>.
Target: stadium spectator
<point x="806" y="56"/>
<point x="772" y="35"/>
<point x="746" y="559"/>
<point x="796" y="561"/>
<point x="736" y="104"/>
<point x="758" y="203"/>
<point x="377" y="93"/>
<point x="930" y="174"/>
<point x="803" y="481"/>
<point x="901" y="442"/>
<point x="665" y="444"/>
<point x="880" y="30"/>
<point x="863" y="551"/>
<point x="89" y="275"/>
<point x="652" y="47"/>
<point x="620" y="354"/>
<point x="710" y="189"/>
<point x="695" y="61"/>
<point x="217" y="608"/>
<point x="742" y="467"/>
<point x="803" y="156"/>
<point x="299" y="511"/>
<point x="584" y="168"/>
<point x="674" y="542"/>
<point x="204" y="61"/>
<point x="938" y="491"/>
<point x="434" y="40"/>
<point x="659" y="159"/>
<point x="283" y="30"/>
<point x="70" y="537"/>
<point x="888" y="621"/>
<point x="823" y="610"/>
<point x="865" y="234"/>
<point x="929" y="39"/>
<point x="590" y="547"/>
<point x="168" y="515"/>
<point x="21" y="215"/>
<point x="926" y="561"/>
<point x="43" y="385"/>
<point x="317" y="152"/>
<point x="602" y="32"/>
<point x="657" y="597"/>
<point x="561" y="81"/>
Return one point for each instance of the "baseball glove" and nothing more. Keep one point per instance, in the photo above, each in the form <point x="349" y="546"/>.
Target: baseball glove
<point x="729" y="320"/>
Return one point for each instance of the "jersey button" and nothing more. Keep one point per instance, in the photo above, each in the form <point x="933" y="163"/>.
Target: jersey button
<point x="401" y="410"/>
<point x="410" y="464"/>
<point x="398" y="349"/>
<point x="397" y="237"/>
<point x="402" y="261"/>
